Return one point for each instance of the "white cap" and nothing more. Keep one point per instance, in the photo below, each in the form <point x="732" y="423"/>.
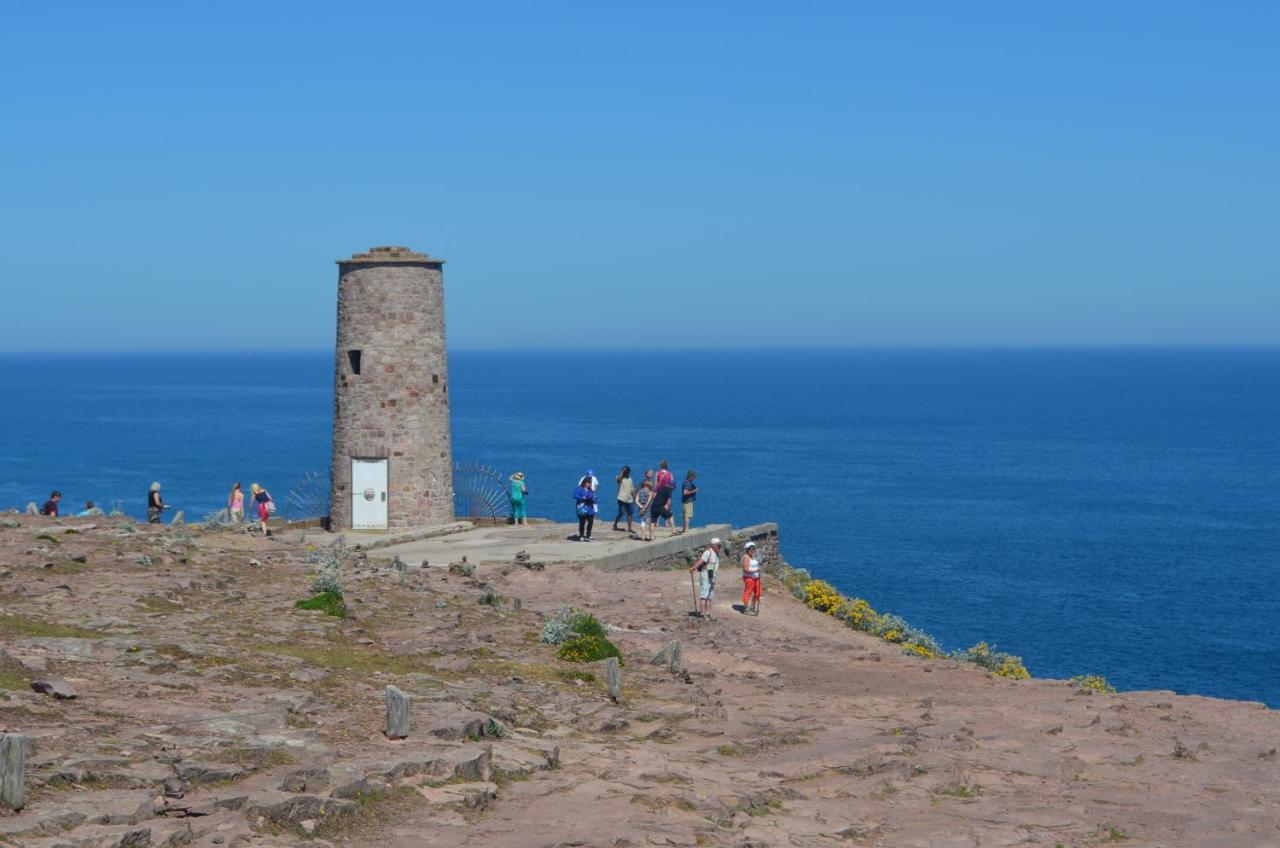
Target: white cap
<point x="715" y="540"/>
<point x="749" y="545"/>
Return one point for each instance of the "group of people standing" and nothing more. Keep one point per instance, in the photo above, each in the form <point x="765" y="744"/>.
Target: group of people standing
<point x="707" y="566"/>
<point x="264" y="506"/>
<point x="652" y="499"/>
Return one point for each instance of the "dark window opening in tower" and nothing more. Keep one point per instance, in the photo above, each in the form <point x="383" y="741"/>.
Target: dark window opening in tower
<point x="353" y="356"/>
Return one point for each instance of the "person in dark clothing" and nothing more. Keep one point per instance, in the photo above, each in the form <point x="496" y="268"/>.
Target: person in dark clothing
<point x="155" y="504"/>
<point x="50" y="507"/>
<point x="585" y="499"/>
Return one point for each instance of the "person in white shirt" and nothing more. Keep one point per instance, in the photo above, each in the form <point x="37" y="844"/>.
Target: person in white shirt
<point x="706" y="566"/>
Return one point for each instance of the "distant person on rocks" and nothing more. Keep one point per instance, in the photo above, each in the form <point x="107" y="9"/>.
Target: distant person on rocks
<point x="266" y="506"/>
<point x="664" y="484"/>
<point x="706" y="566"/>
<point x="235" y="505"/>
<point x="50" y="507"/>
<point x="584" y="498"/>
<point x="519" y="491"/>
<point x="626" y="498"/>
<point x="643" y="498"/>
<point x="750" y="577"/>
<point x="89" y="509"/>
<point x="155" y="504"/>
<point x="688" y="494"/>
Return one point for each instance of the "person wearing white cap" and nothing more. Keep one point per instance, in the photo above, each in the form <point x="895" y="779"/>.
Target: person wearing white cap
<point x="750" y="580"/>
<point x="706" y="566"/>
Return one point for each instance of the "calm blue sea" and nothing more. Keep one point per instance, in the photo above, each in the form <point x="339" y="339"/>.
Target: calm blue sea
<point x="1113" y="512"/>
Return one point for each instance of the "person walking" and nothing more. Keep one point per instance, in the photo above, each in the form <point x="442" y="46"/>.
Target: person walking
<point x="155" y="504"/>
<point x="688" y="494"/>
<point x="750" y="580"/>
<point x="664" y="484"/>
<point x="626" y="498"/>
<point x="265" y="506"/>
<point x="235" y="505"/>
<point x="643" y="498"/>
<point x="706" y="566"/>
<point x="584" y="498"/>
<point x="518" y="493"/>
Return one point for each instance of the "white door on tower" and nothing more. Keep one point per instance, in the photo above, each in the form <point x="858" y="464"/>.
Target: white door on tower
<point x="368" y="494"/>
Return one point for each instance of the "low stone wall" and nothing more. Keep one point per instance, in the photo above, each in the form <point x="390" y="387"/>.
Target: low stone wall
<point x="666" y="554"/>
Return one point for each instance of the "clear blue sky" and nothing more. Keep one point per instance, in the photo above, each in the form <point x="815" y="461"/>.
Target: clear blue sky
<point x="787" y="174"/>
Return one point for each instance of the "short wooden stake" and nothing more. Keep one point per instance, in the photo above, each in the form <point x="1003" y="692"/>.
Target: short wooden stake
<point x="397" y="713"/>
<point x="13" y="766"/>
<point x="613" y="673"/>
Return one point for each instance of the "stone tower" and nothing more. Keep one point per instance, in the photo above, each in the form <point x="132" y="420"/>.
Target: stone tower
<point x="392" y="452"/>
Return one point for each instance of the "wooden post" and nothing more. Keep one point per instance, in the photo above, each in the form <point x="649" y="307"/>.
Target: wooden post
<point x="397" y="714"/>
<point x="517" y="604"/>
<point x="613" y="673"/>
<point x="676" y="664"/>
<point x="13" y="766"/>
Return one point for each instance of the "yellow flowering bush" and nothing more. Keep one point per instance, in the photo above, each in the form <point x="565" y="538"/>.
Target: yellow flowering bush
<point x="1093" y="683"/>
<point x="822" y="596"/>
<point x="857" y="613"/>
<point x="589" y="649"/>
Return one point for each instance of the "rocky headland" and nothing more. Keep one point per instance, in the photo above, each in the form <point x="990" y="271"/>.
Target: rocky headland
<point x="171" y="692"/>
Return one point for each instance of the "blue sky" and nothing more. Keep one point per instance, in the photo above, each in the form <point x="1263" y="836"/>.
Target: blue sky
<point x="721" y="175"/>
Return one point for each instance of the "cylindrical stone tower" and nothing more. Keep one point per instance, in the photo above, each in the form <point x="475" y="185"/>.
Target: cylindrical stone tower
<point x="392" y="452"/>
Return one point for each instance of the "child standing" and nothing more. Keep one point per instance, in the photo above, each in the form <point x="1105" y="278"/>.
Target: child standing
<point x="643" y="498"/>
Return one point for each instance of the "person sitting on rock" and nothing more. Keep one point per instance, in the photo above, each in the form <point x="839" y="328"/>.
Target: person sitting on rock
<point x="50" y="507"/>
<point x="89" y="509"/>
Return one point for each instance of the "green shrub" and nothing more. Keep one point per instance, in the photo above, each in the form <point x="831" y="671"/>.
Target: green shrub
<point x="1093" y="683"/>
<point x="589" y="649"/>
<point x="328" y="602"/>
<point x="586" y="624"/>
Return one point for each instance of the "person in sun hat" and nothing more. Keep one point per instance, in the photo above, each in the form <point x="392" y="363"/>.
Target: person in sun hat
<point x="750" y="577"/>
<point x="706" y="566"/>
<point x="517" y="494"/>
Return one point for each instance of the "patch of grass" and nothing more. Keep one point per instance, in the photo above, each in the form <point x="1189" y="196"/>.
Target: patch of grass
<point x="647" y="717"/>
<point x="728" y="750"/>
<point x="489" y="599"/>
<point x="66" y="566"/>
<point x="589" y="649"/>
<point x="155" y="603"/>
<point x="13" y="626"/>
<point x="46" y="537"/>
<point x="1115" y="834"/>
<point x="328" y="602"/>
<point x="571" y="676"/>
<point x="13" y="677"/>
<point x="958" y="792"/>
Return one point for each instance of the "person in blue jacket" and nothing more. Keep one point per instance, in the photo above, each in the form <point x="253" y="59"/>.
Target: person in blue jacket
<point x="584" y="498"/>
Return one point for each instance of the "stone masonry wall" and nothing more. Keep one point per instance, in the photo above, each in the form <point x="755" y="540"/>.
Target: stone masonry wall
<point x="391" y="309"/>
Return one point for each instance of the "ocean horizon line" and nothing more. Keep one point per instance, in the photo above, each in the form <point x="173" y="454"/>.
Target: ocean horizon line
<point x="781" y="349"/>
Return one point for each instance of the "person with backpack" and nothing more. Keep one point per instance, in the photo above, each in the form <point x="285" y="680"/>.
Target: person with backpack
<point x="518" y="493"/>
<point x="706" y="566"/>
<point x="584" y="498"/>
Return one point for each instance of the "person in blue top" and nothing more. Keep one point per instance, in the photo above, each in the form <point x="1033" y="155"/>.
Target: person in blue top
<point x="584" y="498"/>
<point x="688" y="494"/>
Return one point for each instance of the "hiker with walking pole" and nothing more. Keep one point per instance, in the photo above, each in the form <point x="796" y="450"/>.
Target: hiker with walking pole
<point x="706" y="566"/>
<point x="750" y="580"/>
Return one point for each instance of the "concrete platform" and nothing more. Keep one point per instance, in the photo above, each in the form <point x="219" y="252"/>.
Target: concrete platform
<point x="549" y="543"/>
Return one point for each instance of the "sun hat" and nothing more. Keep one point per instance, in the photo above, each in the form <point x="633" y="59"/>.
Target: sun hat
<point x="748" y="545"/>
<point x="519" y="475"/>
<point x="715" y="540"/>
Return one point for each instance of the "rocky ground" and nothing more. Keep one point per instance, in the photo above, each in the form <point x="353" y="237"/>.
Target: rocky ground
<point x="208" y="710"/>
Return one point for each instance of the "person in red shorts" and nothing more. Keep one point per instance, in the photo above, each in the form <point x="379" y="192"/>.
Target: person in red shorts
<point x="750" y="579"/>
